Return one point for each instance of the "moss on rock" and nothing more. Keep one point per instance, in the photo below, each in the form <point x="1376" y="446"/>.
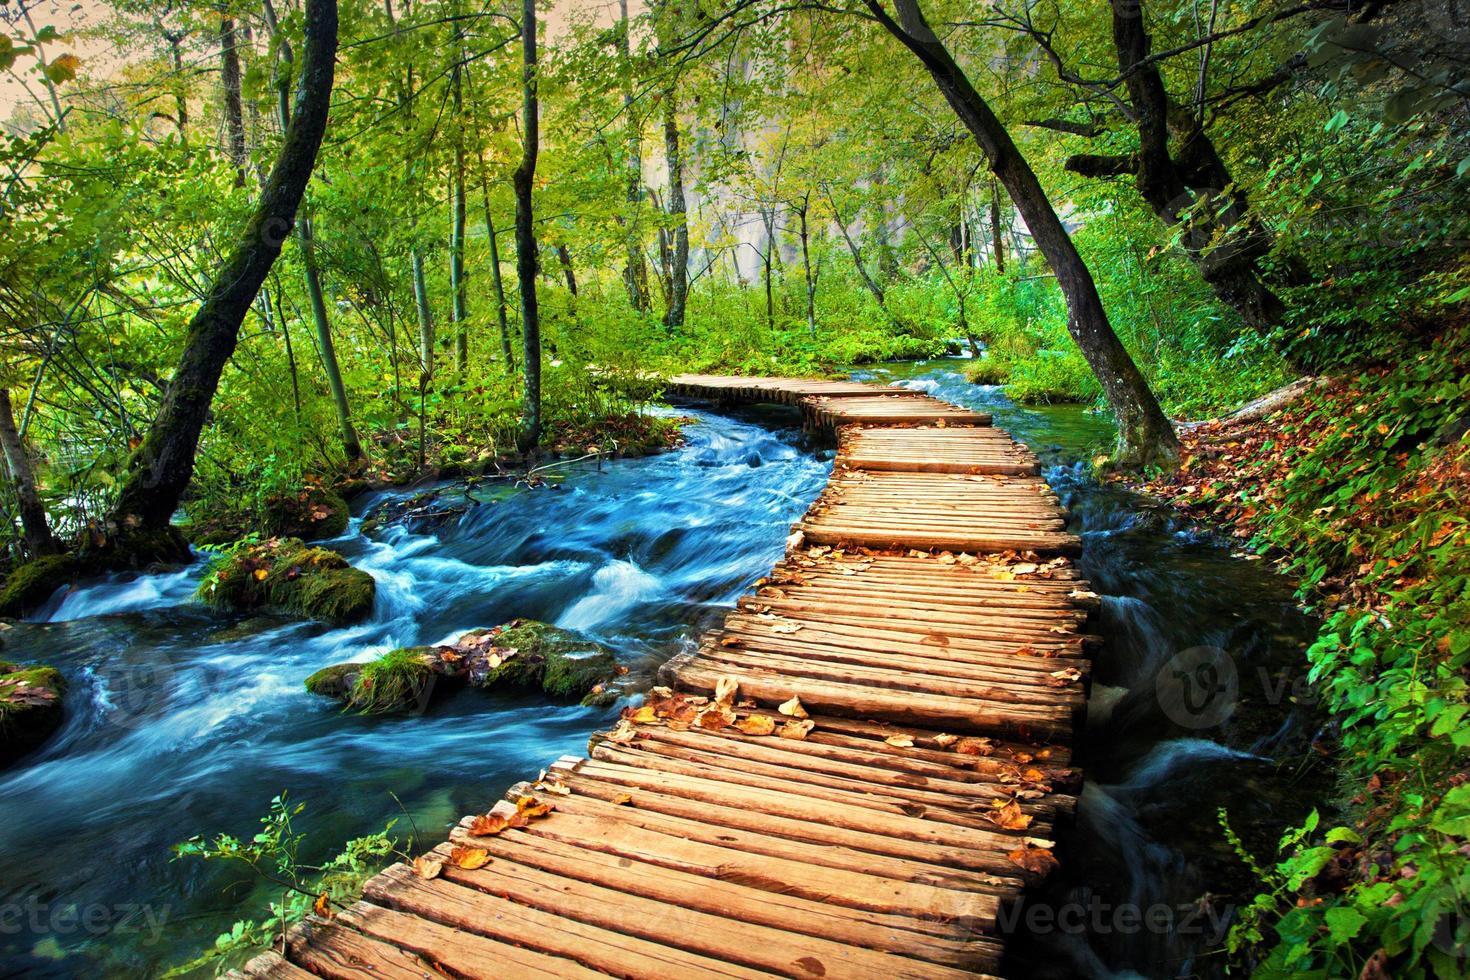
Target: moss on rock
<point x="30" y="708"/>
<point x="288" y="575"/>
<point x="31" y="584"/>
<point x="310" y="514"/>
<point x="522" y="655"/>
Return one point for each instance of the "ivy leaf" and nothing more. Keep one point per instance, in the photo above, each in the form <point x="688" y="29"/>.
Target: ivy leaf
<point x="1344" y="923"/>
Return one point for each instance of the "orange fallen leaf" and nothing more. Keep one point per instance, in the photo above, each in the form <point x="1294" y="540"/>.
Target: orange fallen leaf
<point x="756" y="725"/>
<point x="623" y="799"/>
<point x="641" y="715"/>
<point x="945" y="741"/>
<point x="322" y="906"/>
<point x="488" y="825"/>
<point x="715" y="716"/>
<point x="1037" y="860"/>
<point x="1008" y="816"/>
<point x="623" y="734"/>
<point x="725" y="690"/>
<point x="974" y="746"/>
<point x="469" y="858"/>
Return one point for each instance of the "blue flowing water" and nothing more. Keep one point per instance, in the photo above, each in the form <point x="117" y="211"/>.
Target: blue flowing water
<point x="184" y="721"/>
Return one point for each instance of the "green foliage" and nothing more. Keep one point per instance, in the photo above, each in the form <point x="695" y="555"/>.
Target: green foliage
<point x="292" y="889"/>
<point x="29" y="585"/>
<point x="395" y="681"/>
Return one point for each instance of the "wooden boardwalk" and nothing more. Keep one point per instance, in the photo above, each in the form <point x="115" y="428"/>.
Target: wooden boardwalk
<point x="848" y="779"/>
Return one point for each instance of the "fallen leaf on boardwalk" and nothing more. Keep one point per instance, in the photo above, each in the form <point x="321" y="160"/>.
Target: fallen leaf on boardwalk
<point x="622" y="799"/>
<point x="322" y="907"/>
<point x="488" y="825"/>
<point x="1008" y="816"/>
<point x="529" y="808"/>
<point x="793" y="708"/>
<point x="729" y="641"/>
<point x="945" y="558"/>
<point x="715" y="716"/>
<point x="557" y="788"/>
<point x="1026" y="651"/>
<point x="725" y="690"/>
<point x="786" y="628"/>
<point x="900" y="741"/>
<point x="1033" y="775"/>
<point x="916" y="553"/>
<point x="623" y="734"/>
<point x="428" y="866"/>
<point x="1067" y="674"/>
<point x="796" y="729"/>
<point x="1025" y="568"/>
<point x="1021" y="756"/>
<point x="945" y="741"/>
<point x="975" y="746"/>
<point x="1037" y="860"/>
<point x="469" y="858"/>
<point x="756" y="725"/>
<point x="641" y="715"/>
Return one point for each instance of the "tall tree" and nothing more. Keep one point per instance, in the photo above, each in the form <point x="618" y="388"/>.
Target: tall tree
<point x="526" y="258"/>
<point x="1145" y="434"/>
<point x="635" y="273"/>
<point x="678" y="211"/>
<point x="306" y="241"/>
<point x="229" y="78"/>
<point x="458" y="291"/>
<point x="160" y="470"/>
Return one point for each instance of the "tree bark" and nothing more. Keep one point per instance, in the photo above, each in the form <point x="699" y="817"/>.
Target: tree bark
<point x="1220" y="237"/>
<point x="306" y="241"/>
<point x="229" y="75"/>
<point x="498" y="284"/>
<point x="857" y="255"/>
<point x="526" y="257"/>
<point x="806" y="262"/>
<point x="635" y="273"/>
<point x="160" y="470"/>
<point x="997" y="241"/>
<point x="1145" y="434"/>
<point x="459" y="295"/>
<point x="679" y="261"/>
<point x="39" y="540"/>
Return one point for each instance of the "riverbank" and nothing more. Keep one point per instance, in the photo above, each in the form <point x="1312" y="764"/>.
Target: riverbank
<point x="1357" y="490"/>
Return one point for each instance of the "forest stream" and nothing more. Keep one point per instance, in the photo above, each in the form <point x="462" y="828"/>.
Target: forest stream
<point x="184" y="721"/>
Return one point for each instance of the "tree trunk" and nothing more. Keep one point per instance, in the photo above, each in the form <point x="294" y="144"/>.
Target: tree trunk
<point x="160" y="469"/>
<point x="425" y="316"/>
<point x="32" y="512"/>
<point x="506" y="354"/>
<point x="635" y="273"/>
<point x="564" y="259"/>
<point x="305" y="239"/>
<point x="526" y="259"/>
<point x="811" y="281"/>
<point x="997" y="240"/>
<point x="459" y="297"/>
<point x="857" y="255"/>
<point x="229" y="75"/>
<point x="768" y="216"/>
<point x="1145" y="434"/>
<point x="679" y="261"/>
<point x="1226" y="246"/>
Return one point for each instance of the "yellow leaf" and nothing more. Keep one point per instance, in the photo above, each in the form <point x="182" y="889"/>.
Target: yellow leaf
<point x="793" y="708"/>
<point x="623" y="799"/>
<point x="725" y="690"/>
<point x="1008" y="816"/>
<point x="260" y="574"/>
<point x="796" y="729"/>
<point x="756" y="725"/>
<point x="900" y="741"/>
<point x="469" y="858"/>
<point x="322" y="907"/>
<point x="428" y="866"/>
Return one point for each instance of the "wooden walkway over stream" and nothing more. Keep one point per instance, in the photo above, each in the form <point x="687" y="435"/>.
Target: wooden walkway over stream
<point x="848" y="779"/>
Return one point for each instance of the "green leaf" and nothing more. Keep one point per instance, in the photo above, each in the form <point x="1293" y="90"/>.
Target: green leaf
<point x="1344" y="923"/>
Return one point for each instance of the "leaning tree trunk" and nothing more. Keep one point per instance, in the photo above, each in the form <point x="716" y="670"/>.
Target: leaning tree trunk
<point x="526" y="260"/>
<point x="32" y="512"/>
<point x="635" y="273"/>
<point x="160" y="469"/>
<point x="1145" y="434"/>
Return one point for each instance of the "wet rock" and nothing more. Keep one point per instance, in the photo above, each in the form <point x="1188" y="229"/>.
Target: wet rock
<point x="30" y="708"/>
<point x="520" y="655"/>
<point x="31" y="584"/>
<point x="310" y="514"/>
<point x="423" y="513"/>
<point x="285" y="574"/>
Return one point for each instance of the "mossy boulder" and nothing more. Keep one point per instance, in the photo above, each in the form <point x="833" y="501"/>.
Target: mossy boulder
<point x="287" y="575"/>
<point x="31" y="584"/>
<point x="309" y="514"/>
<point x="519" y="655"/>
<point x="30" y="708"/>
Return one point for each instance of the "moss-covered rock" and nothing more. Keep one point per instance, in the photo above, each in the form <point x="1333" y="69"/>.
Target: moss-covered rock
<point x="287" y="575"/>
<point x="30" y="708"/>
<point x="562" y="663"/>
<point x="31" y="584"/>
<point x="310" y="514"/>
<point x="519" y="655"/>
